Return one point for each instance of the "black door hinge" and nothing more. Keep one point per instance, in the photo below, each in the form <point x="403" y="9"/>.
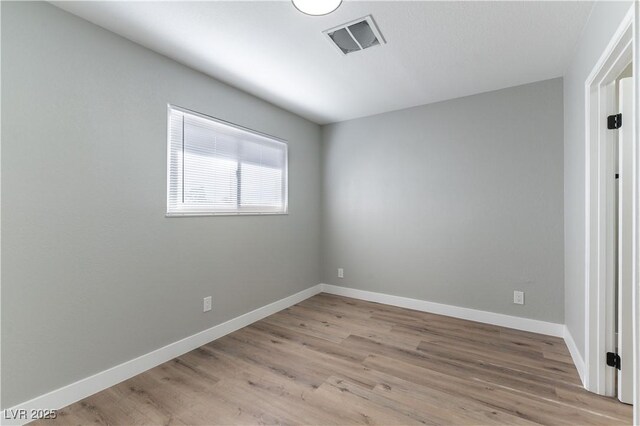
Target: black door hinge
<point x="613" y="360"/>
<point x="614" y="121"/>
<point x="617" y="175"/>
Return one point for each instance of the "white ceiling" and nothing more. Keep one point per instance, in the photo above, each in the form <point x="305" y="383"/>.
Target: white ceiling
<point x="434" y="51"/>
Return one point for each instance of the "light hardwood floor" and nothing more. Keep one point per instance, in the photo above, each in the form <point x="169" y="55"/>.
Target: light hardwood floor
<point x="335" y="360"/>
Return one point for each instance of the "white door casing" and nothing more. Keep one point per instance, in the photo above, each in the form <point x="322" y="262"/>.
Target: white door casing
<point x="600" y="212"/>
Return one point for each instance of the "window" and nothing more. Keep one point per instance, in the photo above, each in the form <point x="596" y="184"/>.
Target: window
<point x="215" y="167"/>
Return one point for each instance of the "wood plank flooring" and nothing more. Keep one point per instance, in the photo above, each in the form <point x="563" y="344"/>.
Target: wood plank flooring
<point x="336" y="360"/>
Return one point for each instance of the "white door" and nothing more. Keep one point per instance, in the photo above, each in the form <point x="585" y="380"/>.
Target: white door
<point x="625" y="243"/>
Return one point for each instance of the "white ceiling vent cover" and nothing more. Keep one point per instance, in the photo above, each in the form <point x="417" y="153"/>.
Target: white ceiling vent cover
<point x="355" y="35"/>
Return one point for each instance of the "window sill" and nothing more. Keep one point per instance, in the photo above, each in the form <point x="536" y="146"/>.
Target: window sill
<point x="174" y="215"/>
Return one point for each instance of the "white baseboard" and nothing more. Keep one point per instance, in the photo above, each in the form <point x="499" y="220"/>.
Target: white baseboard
<point x="575" y="354"/>
<point x="74" y="392"/>
<point x="518" y="323"/>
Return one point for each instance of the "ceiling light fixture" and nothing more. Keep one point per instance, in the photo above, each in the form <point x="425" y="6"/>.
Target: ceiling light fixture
<point x="316" y="7"/>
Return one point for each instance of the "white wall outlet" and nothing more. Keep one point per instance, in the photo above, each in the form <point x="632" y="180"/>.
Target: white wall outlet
<point x="340" y="273"/>
<point x="207" y="304"/>
<point x="518" y="297"/>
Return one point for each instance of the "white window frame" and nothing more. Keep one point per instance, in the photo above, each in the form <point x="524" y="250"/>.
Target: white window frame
<point x="247" y="212"/>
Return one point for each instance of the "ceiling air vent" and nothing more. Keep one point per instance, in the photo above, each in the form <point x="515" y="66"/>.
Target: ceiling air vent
<point x="355" y="35"/>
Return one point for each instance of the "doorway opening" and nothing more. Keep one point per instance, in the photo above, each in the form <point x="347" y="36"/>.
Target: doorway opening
<point x="611" y="218"/>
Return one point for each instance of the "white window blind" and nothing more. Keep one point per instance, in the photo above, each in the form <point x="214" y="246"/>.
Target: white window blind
<point x="218" y="168"/>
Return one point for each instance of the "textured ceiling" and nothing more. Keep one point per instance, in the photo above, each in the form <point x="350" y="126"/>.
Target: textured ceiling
<point x="434" y="51"/>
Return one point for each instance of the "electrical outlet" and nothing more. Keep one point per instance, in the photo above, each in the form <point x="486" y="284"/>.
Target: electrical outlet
<point x="518" y="297"/>
<point x="207" y="304"/>
<point x="340" y="273"/>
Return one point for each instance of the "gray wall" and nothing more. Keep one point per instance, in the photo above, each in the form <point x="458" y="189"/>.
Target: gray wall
<point x="603" y="22"/>
<point x="458" y="202"/>
<point x="93" y="273"/>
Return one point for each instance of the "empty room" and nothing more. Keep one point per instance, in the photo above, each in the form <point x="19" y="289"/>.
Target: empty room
<point x="319" y="212"/>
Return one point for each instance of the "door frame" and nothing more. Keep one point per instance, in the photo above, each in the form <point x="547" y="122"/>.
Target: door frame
<point x="600" y="101"/>
<point x="636" y="217"/>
